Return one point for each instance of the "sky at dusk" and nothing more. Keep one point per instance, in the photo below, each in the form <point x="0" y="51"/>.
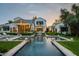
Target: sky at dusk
<point x="48" y="11"/>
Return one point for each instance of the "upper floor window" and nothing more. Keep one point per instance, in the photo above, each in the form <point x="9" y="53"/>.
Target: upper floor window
<point x="39" y="22"/>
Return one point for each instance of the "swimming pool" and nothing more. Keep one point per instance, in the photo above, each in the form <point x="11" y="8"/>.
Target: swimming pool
<point x="39" y="46"/>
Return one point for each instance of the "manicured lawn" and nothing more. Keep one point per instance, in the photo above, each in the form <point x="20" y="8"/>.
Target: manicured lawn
<point x="73" y="45"/>
<point x="51" y="33"/>
<point x="7" y="45"/>
<point x="76" y="38"/>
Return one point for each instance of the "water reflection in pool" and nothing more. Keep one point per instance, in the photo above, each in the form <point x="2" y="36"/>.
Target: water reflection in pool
<point x="39" y="46"/>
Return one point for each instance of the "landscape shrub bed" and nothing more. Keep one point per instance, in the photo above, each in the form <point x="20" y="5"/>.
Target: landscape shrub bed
<point x="28" y="33"/>
<point x="11" y="33"/>
<point x="53" y="33"/>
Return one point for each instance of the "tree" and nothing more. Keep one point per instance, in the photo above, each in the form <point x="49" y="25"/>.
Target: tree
<point x="64" y="16"/>
<point x="71" y="19"/>
<point x="75" y="10"/>
<point x="10" y="21"/>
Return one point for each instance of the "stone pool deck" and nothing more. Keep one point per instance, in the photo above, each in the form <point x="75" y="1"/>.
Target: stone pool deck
<point x="65" y="38"/>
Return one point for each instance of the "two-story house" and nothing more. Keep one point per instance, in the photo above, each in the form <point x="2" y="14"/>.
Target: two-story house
<point x="25" y="25"/>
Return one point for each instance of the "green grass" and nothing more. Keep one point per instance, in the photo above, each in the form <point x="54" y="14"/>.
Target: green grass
<point x="7" y="45"/>
<point x="76" y="38"/>
<point x="51" y="33"/>
<point x="72" y="45"/>
<point x="28" y="33"/>
<point x="69" y="37"/>
<point x="55" y="33"/>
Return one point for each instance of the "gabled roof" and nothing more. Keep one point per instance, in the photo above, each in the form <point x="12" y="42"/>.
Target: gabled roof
<point x="17" y="18"/>
<point x="29" y="21"/>
<point x="60" y="25"/>
<point x="41" y="18"/>
<point x="26" y="20"/>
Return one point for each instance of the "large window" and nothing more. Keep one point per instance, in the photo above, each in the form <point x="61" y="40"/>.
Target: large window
<point x="64" y="29"/>
<point x="39" y="22"/>
<point x="6" y="28"/>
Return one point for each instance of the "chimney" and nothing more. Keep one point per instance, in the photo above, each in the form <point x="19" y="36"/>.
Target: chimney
<point x="34" y="17"/>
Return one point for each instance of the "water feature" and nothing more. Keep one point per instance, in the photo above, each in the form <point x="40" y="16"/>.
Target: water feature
<point x="39" y="46"/>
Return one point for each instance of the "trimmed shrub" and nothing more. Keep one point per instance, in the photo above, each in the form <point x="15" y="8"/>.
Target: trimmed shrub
<point x="11" y="33"/>
<point x="51" y="33"/>
<point x="1" y="33"/>
<point x="28" y="33"/>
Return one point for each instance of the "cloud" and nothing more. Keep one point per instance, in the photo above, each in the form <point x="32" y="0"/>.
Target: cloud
<point x="50" y="11"/>
<point x="32" y="12"/>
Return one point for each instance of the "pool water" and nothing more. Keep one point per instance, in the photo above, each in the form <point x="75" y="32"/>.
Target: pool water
<point x="39" y="46"/>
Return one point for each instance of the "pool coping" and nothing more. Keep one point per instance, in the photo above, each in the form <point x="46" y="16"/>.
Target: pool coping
<point x="64" y="50"/>
<point x="12" y="51"/>
<point x="65" y="38"/>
